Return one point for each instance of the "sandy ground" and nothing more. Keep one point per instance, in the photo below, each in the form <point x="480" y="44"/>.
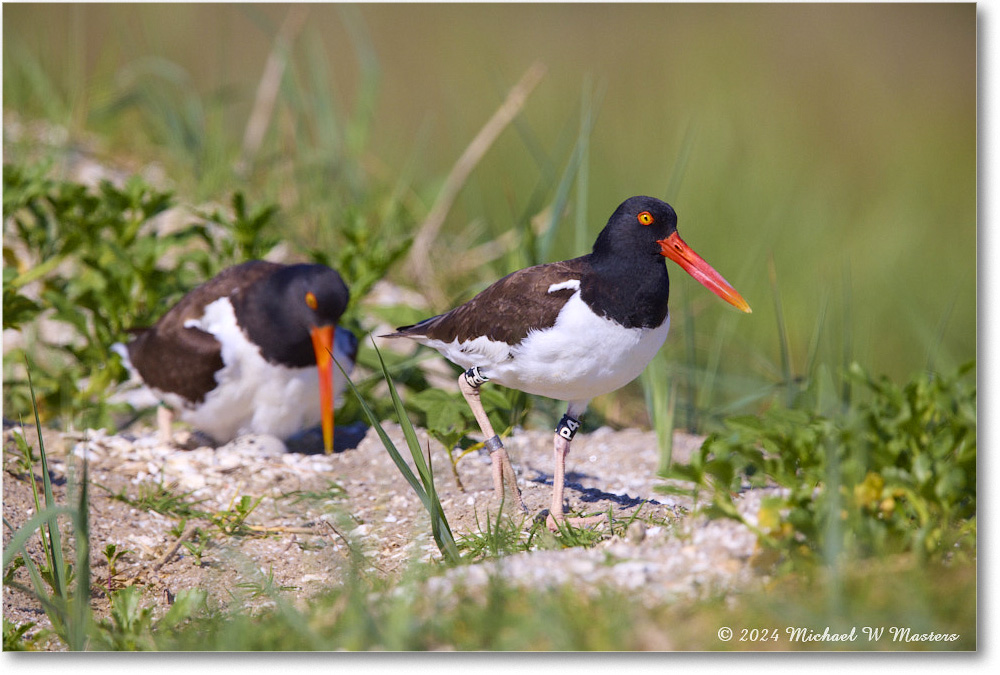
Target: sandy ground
<point x="314" y="506"/>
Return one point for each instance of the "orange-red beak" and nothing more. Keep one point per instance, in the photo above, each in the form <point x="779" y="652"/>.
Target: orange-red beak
<point x="322" y="337"/>
<point x="673" y="247"/>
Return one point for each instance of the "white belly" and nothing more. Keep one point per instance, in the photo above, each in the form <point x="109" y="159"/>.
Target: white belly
<point x="582" y="356"/>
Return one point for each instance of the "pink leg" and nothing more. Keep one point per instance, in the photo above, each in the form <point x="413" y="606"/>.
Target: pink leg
<point x="164" y="422"/>
<point x="559" y="476"/>
<point x="561" y="445"/>
<point x="503" y="470"/>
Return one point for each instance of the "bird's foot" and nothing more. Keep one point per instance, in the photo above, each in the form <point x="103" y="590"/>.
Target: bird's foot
<point x="504" y="478"/>
<point x="517" y="503"/>
<point x="185" y="439"/>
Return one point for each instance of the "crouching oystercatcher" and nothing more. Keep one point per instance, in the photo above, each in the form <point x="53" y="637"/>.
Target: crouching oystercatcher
<point x="248" y="351"/>
<point x="570" y="330"/>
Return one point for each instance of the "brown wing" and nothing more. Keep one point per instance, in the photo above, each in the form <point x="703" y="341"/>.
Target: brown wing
<point x="508" y="309"/>
<point x="182" y="360"/>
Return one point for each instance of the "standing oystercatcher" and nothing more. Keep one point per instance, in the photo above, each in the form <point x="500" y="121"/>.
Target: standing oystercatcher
<point x="248" y="351"/>
<point x="571" y="330"/>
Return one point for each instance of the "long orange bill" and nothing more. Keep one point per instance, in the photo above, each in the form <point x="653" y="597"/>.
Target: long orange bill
<point x="322" y="337"/>
<point x="673" y="247"/>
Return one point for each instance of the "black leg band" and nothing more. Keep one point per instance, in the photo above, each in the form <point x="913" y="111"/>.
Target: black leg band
<point x="567" y="427"/>
<point x="493" y="444"/>
<point x="475" y="378"/>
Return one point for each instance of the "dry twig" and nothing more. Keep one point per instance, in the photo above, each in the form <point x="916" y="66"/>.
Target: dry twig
<point x="267" y="89"/>
<point x="419" y="257"/>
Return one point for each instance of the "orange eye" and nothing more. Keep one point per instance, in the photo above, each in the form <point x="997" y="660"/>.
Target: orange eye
<point x="311" y="300"/>
<point x="645" y="218"/>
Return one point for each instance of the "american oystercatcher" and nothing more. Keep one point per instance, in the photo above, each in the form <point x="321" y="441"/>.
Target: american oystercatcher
<point x="570" y="330"/>
<point x="248" y="351"/>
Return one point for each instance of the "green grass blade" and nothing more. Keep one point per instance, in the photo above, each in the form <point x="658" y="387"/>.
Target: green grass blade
<point x="680" y="164"/>
<point x="665" y="430"/>
<point x="563" y="190"/>
<point x="24" y="449"/>
<point x="588" y="103"/>
<point x="786" y="359"/>
<point x="691" y="356"/>
<point x="935" y="345"/>
<point x="53" y="606"/>
<point x="812" y="355"/>
<point x="424" y="487"/>
<point x="661" y="398"/>
<point x="44" y="517"/>
<point x="78" y="628"/>
<point x="404" y="468"/>
<point x="847" y="346"/>
<point x="358" y="126"/>
<point x="54" y="544"/>
<point x="711" y="373"/>
<point x="439" y="523"/>
<point x="409" y="433"/>
<point x="813" y="366"/>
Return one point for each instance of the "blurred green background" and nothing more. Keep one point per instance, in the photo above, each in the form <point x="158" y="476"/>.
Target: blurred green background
<point x="821" y="157"/>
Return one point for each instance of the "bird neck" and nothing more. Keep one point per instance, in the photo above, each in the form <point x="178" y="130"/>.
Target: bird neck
<point x="632" y="291"/>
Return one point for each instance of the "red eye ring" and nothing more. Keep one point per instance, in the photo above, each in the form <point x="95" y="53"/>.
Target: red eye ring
<point x="311" y="300"/>
<point x="645" y="218"/>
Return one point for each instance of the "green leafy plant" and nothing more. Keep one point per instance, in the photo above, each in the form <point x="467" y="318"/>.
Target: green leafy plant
<point x="83" y="257"/>
<point x="14" y="639"/>
<point x="194" y="542"/>
<point x="249" y="229"/>
<point x="133" y="626"/>
<point x="896" y="473"/>
<point x="112" y="554"/>
<point x="363" y="253"/>
<point x="232" y="521"/>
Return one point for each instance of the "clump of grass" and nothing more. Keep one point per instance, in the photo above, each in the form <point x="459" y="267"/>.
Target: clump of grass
<point x="162" y="499"/>
<point x="334" y="492"/>
<point x="265" y="586"/>
<point x="502" y="536"/>
<point x="68" y="608"/>
<point x="233" y="520"/>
